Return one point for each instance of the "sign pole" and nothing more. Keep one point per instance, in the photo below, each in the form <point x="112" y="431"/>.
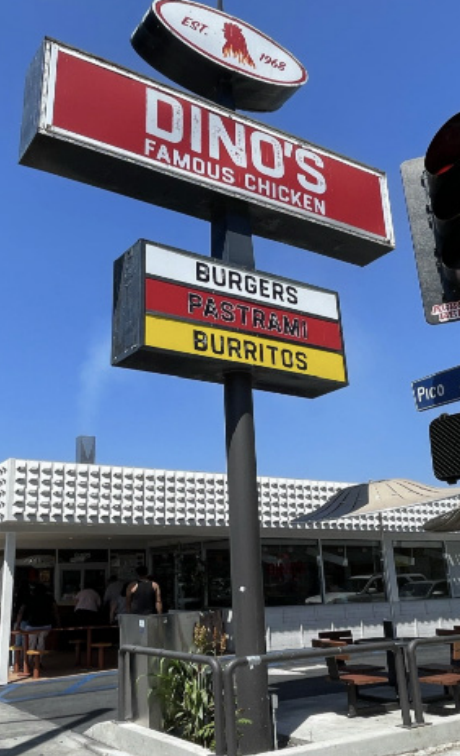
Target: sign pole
<point x="232" y="242"/>
<point x="247" y="586"/>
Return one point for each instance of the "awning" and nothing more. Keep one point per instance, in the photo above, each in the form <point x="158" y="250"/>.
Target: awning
<point x="378" y="496"/>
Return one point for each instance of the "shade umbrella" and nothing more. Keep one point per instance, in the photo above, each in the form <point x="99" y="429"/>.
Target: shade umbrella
<point x="448" y="522"/>
<point x="378" y="496"/>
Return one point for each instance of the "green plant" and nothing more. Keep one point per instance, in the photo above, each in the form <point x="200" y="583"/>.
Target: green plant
<point x="185" y="692"/>
<point x="186" y="698"/>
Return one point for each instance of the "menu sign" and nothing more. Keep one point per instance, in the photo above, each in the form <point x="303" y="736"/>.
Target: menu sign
<point x="192" y="316"/>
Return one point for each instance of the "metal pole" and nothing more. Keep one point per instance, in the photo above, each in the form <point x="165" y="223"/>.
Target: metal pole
<point x="401" y="682"/>
<point x="231" y="241"/>
<point x="6" y="604"/>
<point x="247" y="587"/>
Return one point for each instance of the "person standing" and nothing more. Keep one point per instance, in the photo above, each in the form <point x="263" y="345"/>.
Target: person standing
<point x="118" y="606"/>
<point x="87" y="607"/>
<point x="111" y="596"/>
<point x="143" y="596"/>
<point x="112" y="590"/>
<point x="38" y="612"/>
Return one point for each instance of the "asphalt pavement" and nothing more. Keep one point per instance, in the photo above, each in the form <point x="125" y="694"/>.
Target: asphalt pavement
<point x="74" y="702"/>
<point x="79" y="701"/>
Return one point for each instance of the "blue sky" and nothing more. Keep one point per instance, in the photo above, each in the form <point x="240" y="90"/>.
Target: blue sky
<point x="383" y="78"/>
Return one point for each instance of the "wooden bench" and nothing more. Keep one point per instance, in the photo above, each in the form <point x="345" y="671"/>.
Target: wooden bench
<point x="450" y="682"/>
<point x="354" y="681"/>
<point x="336" y="635"/>
<point x="79" y="643"/>
<point x="36" y="657"/>
<point x="100" y="648"/>
<point x="454" y="647"/>
<point x="328" y="638"/>
<point x="331" y="643"/>
<point x="337" y="664"/>
<point x="432" y="668"/>
<point x="354" y="676"/>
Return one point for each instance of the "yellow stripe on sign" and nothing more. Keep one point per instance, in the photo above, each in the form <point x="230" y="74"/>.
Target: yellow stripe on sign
<point x="232" y="346"/>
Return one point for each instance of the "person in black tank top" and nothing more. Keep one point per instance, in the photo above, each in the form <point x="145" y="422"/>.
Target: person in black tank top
<point x="143" y="596"/>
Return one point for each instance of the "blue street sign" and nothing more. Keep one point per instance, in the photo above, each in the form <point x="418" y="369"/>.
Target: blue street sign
<point x="437" y="389"/>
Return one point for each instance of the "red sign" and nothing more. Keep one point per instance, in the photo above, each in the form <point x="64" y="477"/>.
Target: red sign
<point x="112" y="128"/>
<point x="228" y="312"/>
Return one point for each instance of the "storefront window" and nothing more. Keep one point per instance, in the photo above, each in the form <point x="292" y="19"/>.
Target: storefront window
<point x="123" y="563"/>
<point x="163" y="573"/>
<point x="421" y="570"/>
<point x="290" y="572"/>
<point x="73" y="578"/>
<point x="219" y="580"/>
<point x="191" y="572"/>
<point x="71" y="584"/>
<point x="352" y="572"/>
<point x="81" y="568"/>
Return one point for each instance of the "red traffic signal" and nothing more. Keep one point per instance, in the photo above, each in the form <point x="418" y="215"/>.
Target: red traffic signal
<point x="442" y="165"/>
<point x="432" y="189"/>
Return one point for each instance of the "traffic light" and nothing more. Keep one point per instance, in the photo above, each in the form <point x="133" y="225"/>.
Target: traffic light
<point x="445" y="447"/>
<point x="432" y="189"/>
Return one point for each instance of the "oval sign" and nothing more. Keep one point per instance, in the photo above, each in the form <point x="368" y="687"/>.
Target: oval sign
<point x="230" y="41"/>
<point x="217" y="46"/>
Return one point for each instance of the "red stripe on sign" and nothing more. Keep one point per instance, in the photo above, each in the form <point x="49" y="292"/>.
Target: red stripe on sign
<point x="186" y="137"/>
<point x="195" y="305"/>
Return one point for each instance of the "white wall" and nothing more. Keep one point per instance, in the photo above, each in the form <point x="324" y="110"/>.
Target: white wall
<point x="295" y="626"/>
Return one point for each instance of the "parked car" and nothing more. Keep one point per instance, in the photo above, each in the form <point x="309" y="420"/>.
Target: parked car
<point x="425" y="589"/>
<point x="364" y="588"/>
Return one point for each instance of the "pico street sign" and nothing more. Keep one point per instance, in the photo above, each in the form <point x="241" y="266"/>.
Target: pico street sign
<point x="194" y="317"/>
<point x="198" y="47"/>
<point x="435" y="390"/>
<point x="89" y="120"/>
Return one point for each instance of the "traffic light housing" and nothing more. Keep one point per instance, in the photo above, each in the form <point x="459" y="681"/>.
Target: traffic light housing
<point x="432" y="189"/>
<point x="445" y="447"/>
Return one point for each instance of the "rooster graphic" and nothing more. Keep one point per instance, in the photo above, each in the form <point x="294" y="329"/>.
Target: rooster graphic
<point x="235" y="45"/>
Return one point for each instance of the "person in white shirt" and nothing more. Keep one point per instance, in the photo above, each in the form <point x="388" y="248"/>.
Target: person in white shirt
<point x="88" y="604"/>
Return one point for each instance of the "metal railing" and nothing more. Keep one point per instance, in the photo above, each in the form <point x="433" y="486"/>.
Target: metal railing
<point x="414" y="682"/>
<point x="124" y="669"/>
<point x="224" y="668"/>
<point x="283" y="656"/>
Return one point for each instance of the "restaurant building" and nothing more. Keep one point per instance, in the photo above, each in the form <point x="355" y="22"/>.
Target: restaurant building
<point x="75" y="524"/>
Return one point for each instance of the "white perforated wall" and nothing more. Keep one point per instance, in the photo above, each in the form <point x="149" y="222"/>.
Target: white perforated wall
<point x="33" y="491"/>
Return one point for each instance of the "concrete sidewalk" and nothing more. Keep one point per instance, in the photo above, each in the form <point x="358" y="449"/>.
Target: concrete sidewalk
<point x="23" y="734"/>
<point x="313" y="727"/>
<point x="308" y="724"/>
